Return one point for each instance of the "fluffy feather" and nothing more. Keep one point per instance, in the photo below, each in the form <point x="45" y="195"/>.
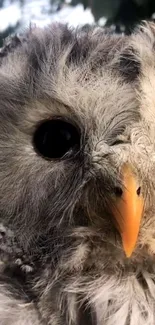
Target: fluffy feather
<point x="62" y="260"/>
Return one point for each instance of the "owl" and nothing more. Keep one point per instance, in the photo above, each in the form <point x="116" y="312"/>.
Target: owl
<point x="77" y="177"/>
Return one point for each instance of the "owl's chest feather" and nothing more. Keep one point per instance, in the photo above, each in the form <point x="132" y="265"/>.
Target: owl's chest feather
<point x="118" y="299"/>
<point x="125" y="301"/>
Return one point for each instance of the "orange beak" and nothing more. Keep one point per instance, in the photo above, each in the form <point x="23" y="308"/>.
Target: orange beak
<point x="128" y="210"/>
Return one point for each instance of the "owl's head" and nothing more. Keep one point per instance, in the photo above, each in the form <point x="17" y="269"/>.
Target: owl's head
<point x="77" y="142"/>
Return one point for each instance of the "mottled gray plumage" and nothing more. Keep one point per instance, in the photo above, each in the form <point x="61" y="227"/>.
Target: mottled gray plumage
<point x="62" y="261"/>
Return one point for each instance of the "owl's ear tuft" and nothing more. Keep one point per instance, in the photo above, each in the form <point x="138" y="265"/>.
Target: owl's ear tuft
<point x="78" y="53"/>
<point x="143" y="42"/>
<point x="146" y="33"/>
<point x="129" y="65"/>
<point x="140" y="54"/>
<point x="10" y="43"/>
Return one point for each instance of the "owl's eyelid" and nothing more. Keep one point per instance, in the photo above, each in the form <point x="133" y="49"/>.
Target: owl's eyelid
<point x="117" y="142"/>
<point x="121" y="139"/>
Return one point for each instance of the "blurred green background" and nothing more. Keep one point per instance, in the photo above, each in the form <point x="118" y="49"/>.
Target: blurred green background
<point x="120" y="15"/>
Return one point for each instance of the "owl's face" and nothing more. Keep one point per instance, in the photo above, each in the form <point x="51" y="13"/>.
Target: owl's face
<point x="77" y="160"/>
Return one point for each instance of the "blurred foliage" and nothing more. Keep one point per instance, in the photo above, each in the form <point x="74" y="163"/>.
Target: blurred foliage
<point x="1" y="3"/>
<point x="122" y="15"/>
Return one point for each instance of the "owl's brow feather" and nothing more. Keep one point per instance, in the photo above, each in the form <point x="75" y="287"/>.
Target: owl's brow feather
<point x="147" y="188"/>
<point x="115" y="126"/>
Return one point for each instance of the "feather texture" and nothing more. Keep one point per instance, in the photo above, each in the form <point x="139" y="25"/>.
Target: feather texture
<point x="62" y="260"/>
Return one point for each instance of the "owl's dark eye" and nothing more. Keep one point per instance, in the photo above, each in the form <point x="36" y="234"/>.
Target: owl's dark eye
<point x="56" y="139"/>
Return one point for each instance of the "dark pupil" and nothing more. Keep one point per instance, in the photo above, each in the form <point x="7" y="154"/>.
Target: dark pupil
<point x="55" y="138"/>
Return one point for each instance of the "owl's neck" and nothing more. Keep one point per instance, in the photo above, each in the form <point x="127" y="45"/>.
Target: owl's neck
<point x="127" y="300"/>
<point x="116" y="298"/>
